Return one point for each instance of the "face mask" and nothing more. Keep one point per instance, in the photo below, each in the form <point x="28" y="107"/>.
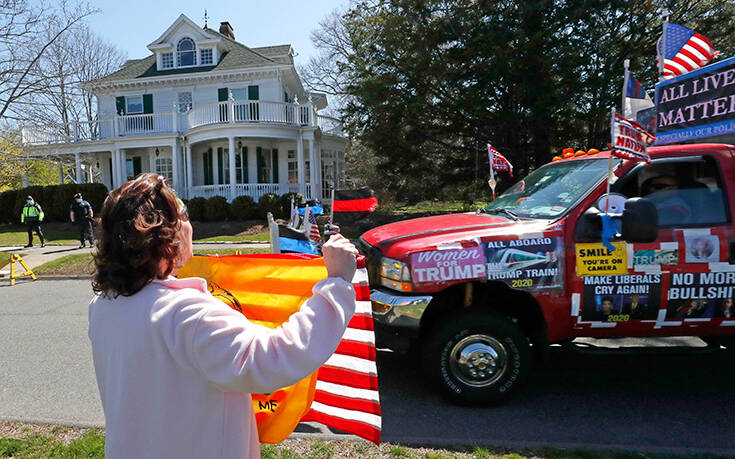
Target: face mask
<point x="78" y="200"/>
<point x="30" y="201"/>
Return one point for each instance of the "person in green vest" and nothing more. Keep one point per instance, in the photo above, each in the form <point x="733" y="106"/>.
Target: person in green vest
<point x="32" y="216"/>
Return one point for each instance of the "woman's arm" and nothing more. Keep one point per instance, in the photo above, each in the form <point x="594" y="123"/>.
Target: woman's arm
<point x="238" y="355"/>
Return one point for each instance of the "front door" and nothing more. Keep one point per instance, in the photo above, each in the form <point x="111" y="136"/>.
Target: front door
<point x="681" y="281"/>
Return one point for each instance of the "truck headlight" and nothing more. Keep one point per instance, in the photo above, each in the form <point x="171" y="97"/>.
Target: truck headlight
<point x="395" y="274"/>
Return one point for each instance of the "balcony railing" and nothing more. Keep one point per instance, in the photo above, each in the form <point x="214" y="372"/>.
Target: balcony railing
<point x="228" y="112"/>
<point x="243" y="111"/>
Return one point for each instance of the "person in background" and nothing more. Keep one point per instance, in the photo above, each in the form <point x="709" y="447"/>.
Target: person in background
<point x="175" y="367"/>
<point x="32" y="216"/>
<point x="82" y="214"/>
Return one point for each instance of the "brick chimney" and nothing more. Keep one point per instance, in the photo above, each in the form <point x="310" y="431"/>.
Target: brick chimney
<point x="226" y="29"/>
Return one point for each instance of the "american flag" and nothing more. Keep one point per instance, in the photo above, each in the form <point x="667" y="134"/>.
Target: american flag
<point x="346" y="396"/>
<point x="312" y="229"/>
<point x="685" y="50"/>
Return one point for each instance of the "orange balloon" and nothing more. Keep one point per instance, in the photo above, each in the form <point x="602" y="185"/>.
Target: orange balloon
<point x="556" y="158"/>
<point x="580" y="153"/>
<point x="593" y="151"/>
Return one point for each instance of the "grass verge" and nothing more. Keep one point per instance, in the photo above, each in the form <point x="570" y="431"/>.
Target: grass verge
<point x="259" y="237"/>
<point x="82" y="264"/>
<point x="18" y="235"/>
<point x="21" y="440"/>
<point x="4" y="258"/>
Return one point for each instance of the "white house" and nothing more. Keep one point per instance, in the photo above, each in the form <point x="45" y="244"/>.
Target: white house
<point x="212" y="115"/>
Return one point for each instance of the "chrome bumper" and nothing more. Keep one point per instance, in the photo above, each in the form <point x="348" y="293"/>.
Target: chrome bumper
<point x="396" y="310"/>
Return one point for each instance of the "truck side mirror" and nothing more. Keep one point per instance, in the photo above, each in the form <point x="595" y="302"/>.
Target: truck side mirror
<point x="589" y="226"/>
<point x="640" y="221"/>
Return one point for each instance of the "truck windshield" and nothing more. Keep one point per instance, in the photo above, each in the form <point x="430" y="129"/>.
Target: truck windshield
<point x="550" y="190"/>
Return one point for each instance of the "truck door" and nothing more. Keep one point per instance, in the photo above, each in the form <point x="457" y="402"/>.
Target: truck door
<point x="683" y="280"/>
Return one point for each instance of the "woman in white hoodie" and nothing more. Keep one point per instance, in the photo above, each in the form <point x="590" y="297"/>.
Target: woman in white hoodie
<point x="175" y="367"/>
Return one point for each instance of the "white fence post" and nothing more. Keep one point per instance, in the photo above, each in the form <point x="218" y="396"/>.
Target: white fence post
<point x="231" y="107"/>
<point x="175" y="121"/>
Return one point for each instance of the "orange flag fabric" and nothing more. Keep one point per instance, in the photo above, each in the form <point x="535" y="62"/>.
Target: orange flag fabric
<point x="267" y="289"/>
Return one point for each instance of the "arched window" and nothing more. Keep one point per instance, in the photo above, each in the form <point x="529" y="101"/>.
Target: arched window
<point x="185" y="52"/>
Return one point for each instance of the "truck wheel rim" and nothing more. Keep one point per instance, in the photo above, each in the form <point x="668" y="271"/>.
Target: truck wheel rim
<point x="478" y="360"/>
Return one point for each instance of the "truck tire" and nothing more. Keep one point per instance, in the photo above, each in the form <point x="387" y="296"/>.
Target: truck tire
<point x="477" y="358"/>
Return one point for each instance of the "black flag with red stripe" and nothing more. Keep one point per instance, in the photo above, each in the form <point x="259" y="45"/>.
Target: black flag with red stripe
<point x="352" y="205"/>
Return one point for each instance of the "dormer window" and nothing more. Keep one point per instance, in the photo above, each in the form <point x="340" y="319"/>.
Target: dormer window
<point x="167" y="60"/>
<point x="205" y="56"/>
<point x="185" y="53"/>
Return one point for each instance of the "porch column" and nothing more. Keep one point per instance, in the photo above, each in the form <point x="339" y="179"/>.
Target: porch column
<point x="78" y="165"/>
<point x="115" y="172"/>
<point x="25" y="181"/>
<point x="312" y="169"/>
<point x="123" y="166"/>
<point x="175" y="165"/>
<point x="233" y="172"/>
<point x="189" y="172"/>
<point x="301" y="172"/>
<point x="318" y="156"/>
<point x="61" y="173"/>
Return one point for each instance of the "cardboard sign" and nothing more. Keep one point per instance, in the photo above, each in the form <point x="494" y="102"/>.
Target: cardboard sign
<point x="596" y="260"/>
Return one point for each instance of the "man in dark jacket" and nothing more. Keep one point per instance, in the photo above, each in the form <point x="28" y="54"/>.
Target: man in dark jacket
<point x="81" y="214"/>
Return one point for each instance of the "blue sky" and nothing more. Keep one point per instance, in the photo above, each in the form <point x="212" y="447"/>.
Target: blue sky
<point x="131" y="25"/>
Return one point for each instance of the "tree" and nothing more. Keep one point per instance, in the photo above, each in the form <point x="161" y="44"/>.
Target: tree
<point x="72" y="60"/>
<point x="428" y="83"/>
<point x="13" y="166"/>
<point x="27" y="30"/>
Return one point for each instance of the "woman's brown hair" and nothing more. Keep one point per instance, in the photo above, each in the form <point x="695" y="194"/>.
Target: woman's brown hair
<point x="140" y="225"/>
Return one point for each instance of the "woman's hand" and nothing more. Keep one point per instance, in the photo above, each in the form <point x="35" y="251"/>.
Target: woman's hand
<point x="339" y="257"/>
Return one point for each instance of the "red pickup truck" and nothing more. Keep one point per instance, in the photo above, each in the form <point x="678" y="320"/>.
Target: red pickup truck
<point x="476" y="296"/>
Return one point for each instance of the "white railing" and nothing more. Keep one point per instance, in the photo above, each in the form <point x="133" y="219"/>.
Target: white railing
<point x="243" y="111"/>
<point x="151" y="123"/>
<point x="330" y="125"/>
<point x="255" y="190"/>
<point x="77" y="131"/>
<point x="227" y="112"/>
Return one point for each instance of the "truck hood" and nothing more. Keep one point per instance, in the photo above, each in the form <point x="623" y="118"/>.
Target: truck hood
<point x="397" y="240"/>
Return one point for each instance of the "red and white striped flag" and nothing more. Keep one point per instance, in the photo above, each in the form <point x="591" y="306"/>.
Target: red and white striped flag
<point x="685" y="50"/>
<point x="312" y="229"/>
<point x="346" y="395"/>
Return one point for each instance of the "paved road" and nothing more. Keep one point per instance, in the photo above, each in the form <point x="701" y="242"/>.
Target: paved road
<point x="652" y="403"/>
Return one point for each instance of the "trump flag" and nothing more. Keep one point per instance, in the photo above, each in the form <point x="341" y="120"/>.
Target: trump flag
<point x="267" y="289"/>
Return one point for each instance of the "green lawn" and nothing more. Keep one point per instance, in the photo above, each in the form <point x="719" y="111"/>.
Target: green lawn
<point x="61" y="442"/>
<point x="18" y="235"/>
<point x="4" y="258"/>
<point x="430" y="206"/>
<point x="260" y="237"/>
<point x="81" y="264"/>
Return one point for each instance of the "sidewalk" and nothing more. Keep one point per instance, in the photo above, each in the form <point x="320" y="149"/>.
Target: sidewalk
<point x="36" y="256"/>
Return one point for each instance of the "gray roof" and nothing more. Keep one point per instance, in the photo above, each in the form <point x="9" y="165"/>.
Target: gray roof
<point x="234" y="56"/>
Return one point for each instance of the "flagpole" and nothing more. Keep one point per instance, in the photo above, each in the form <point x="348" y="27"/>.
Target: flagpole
<point x="331" y="210"/>
<point x="491" y="158"/>
<point x="626" y="78"/>
<point x="662" y="55"/>
<point x="609" y="159"/>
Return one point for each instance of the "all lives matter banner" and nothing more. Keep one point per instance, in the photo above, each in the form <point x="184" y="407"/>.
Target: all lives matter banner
<point x="696" y="105"/>
<point x="521" y="263"/>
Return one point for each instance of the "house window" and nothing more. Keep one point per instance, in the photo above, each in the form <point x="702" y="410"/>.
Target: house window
<point x="293" y="167"/>
<point x="184" y="102"/>
<point x="205" y="57"/>
<point x="134" y="104"/>
<point x="167" y="60"/>
<point x="186" y="52"/>
<point x="164" y="168"/>
<point x="240" y="94"/>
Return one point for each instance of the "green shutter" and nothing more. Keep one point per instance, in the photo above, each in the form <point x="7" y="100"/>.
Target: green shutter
<point x="223" y="94"/>
<point x="137" y="169"/>
<point x="246" y="177"/>
<point x="261" y="164"/>
<point x="147" y="103"/>
<point x="253" y="93"/>
<point x="120" y="105"/>
<point x="220" y="166"/>
<point x="275" y="166"/>
<point x="285" y="97"/>
<point x="208" y="175"/>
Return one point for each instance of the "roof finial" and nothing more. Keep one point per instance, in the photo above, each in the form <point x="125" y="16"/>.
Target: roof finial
<point x="206" y="17"/>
